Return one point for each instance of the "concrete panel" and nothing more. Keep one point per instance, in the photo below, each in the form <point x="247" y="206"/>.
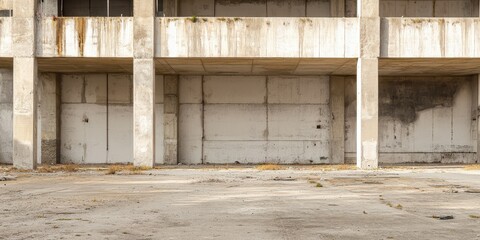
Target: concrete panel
<point x="235" y="89"/>
<point x="240" y="8"/>
<point x="286" y="8"/>
<point x="6" y="133"/>
<point x="6" y="86"/>
<point x="120" y="88"/>
<point x="298" y="90"/>
<point x="159" y="134"/>
<point x="298" y="122"/>
<point x="228" y="152"/>
<point x="235" y="122"/>
<point x="318" y="8"/>
<point x="120" y="134"/>
<point x="73" y="89"/>
<point x="462" y="119"/>
<point x="298" y="152"/>
<point x="84" y="134"/>
<point x="85" y="37"/>
<point x="96" y="88"/>
<point x="190" y="130"/>
<point x="199" y="8"/>
<point x="435" y="158"/>
<point x="191" y="89"/>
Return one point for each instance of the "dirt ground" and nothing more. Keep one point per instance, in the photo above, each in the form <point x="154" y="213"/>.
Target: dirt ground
<point x="242" y="203"/>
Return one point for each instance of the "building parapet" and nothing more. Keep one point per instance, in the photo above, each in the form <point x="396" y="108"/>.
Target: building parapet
<point x="430" y="37"/>
<point x="257" y="37"/>
<point x="85" y="37"/>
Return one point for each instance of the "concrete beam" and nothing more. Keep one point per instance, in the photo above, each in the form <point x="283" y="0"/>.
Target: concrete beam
<point x="337" y="108"/>
<point x="171" y="107"/>
<point x="49" y="108"/>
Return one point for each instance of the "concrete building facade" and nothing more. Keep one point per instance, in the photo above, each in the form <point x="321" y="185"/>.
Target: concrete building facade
<point x="239" y="81"/>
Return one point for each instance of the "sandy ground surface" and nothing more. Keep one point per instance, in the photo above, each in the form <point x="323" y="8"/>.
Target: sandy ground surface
<point x="243" y="203"/>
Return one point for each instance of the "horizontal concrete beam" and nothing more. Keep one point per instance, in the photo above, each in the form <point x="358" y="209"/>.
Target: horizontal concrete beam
<point x="267" y="37"/>
<point x="430" y="37"/>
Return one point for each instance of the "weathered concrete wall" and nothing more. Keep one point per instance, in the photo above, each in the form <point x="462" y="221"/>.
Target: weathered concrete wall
<point x="268" y="37"/>
<point x="429" y="8"/>
<point x="93" y="131"/>
<point x="6" y="115"/>
<point x="255" y="119"/>
<point x="85" y="37"/>
<point x="48" y="118"/>
<point x="421" y="119"/>
<point x="6" y="37"/>
<point x="430" y="37"/>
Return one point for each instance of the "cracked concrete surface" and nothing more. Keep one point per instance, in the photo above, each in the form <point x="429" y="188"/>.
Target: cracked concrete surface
<point x="243" y="203"/>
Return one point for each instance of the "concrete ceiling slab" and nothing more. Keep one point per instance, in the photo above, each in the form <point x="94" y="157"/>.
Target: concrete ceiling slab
<point x="91" y="65"/>
<point x="6" y="62"/>
<point x="429" y="66"/>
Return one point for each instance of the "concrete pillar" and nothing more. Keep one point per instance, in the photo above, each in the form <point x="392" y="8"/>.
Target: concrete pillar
<point x="24" y="85"/>
<point x="337" y="108"/>
<point x="170" y="117"/>
<point x="49" y="111"/>
<point x="367" y="84"/>
<point x="144" y="83"/>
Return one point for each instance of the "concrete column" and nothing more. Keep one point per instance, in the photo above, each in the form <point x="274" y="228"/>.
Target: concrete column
<point x="144" y="83"/>
<point x="49" y="108"/>
<point x="337" y="108"/>
<point x="24" y="85"/>
<point x="170" y="117"/>
<point x="367" y="84"/>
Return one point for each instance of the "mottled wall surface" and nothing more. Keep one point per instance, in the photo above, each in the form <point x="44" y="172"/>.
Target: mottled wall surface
<point x="420" y="115"/>
<point x="428" y="8"/>
<point x="93" y="131"/>
<point x="6" y="115"/>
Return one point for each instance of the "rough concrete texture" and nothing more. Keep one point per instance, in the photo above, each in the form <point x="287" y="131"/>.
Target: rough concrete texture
<point x="421" y="119"/>
<point x="274" y="37"/>
<point x="337" y="108"/>
<point x="85" y="37"/>
<point x="243" y="204"/>
<point x="170" y="110"/>
<point x="144" y="112"/>
<point x="6" y="37"/>
<point x="49" y="112"/>
<point x="429" y="37"/>
<point x="6" y="115"/>
<point x="367" y="113"/>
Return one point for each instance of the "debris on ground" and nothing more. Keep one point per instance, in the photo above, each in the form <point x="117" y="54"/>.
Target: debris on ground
<point x="7" y="178"/>
<point x="286" y="179"/>
<point x="443" y="217"/>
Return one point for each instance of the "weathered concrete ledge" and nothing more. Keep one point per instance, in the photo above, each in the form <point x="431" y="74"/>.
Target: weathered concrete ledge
<point x="85" y="37"/>
<point x="5" y="37"/>
<point x="430" y="37"/>
<point x="257" y="37"/>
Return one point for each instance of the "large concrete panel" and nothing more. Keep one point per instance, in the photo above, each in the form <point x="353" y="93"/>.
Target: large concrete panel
<point x="73" y="88"/>
<point x="235" y="89"/>
<point x="298" y="122"/>
<point x="298" y="90"/>
<point x="84" y="134"/>
<point x="190" y="130"/>
<point x="96" y="88"/>
<point x="298" y="152"/>
<point x="6" y="133"/>
<point x="120" y="134"/>
<point x="228" y="152"/>
<point x="235" y="122"/>
<point x="190" y="89"/>
<point x="120" y="88"/>
<point x="6" y="86"/>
